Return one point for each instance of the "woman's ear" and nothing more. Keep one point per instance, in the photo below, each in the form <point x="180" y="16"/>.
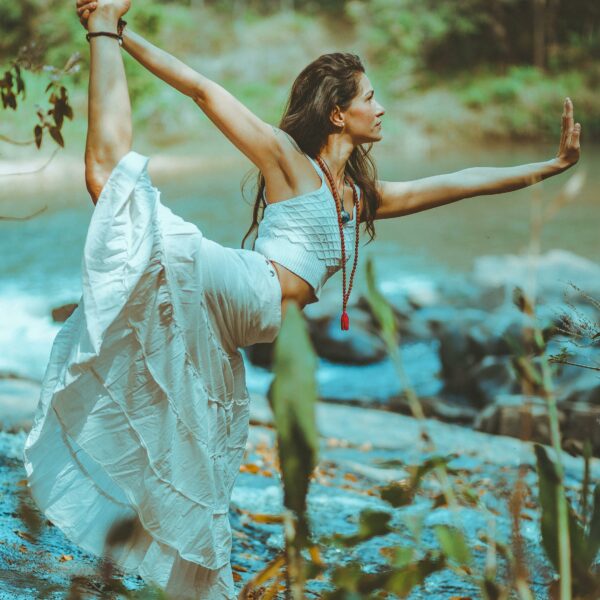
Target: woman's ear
<point x="337" y="117"/>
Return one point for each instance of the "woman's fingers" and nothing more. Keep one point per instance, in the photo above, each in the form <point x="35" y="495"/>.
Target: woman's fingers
<point x="576" y="135"/>
<point x="570" y="132"/>
<point x="86" y="6"/>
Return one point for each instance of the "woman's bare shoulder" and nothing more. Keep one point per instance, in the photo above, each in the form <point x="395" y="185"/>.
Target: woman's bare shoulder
<point x="294" y="175"/>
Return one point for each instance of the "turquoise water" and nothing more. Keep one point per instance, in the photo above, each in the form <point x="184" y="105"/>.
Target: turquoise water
<point x="41" y="258"/>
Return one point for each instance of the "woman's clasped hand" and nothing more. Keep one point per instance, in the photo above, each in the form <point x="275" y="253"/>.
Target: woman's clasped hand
<point x="114" y="7"/>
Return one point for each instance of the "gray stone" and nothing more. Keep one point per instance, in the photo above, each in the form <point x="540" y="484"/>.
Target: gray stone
<point x="436" y="407"/>
<point x="62" y="313"/>
<point x="517" y="416"/>
<point x="583" y="423"/>
<point x="491" y="377"/>
<point x="359" y="345"/>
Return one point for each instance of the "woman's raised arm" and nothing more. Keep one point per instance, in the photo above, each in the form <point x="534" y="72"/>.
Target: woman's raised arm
<point x="266" y="146"/>
<point x="401" y="198"/>
<point x="109" y="133"/>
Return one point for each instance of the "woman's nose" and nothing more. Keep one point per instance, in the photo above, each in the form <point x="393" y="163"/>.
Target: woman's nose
<point x="381" y="111"/>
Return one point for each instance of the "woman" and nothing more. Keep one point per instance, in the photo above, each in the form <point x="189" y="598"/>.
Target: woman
<point x="144" y="407"/>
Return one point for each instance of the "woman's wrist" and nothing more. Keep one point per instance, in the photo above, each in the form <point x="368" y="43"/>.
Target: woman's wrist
<point x="558" y="165"/>
<point x="103" y="20"/>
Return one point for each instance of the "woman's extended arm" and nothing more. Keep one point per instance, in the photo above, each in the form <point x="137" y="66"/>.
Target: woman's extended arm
<point x="109" y="111"/>
<point x="406" y="197"/>
<point x="265" y="146"/>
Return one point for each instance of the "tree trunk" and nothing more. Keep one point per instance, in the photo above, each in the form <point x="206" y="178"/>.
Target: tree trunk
<point x="539" y="33"/>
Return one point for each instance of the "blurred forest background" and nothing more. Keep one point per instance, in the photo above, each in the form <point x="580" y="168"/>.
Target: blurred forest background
<point x="488" y="70"/>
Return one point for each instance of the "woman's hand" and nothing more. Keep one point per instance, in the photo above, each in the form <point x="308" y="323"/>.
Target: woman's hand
<point x="85" y="8"/>
<point x="568" y="149"/>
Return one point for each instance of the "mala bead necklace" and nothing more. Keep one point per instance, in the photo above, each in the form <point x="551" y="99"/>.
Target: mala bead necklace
<point x="344" y="217"/>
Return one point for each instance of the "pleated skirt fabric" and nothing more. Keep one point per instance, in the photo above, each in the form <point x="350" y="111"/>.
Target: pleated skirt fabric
<point x="144" y="409"/>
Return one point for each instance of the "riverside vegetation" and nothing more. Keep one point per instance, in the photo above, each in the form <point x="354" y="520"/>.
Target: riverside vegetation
<point x="569" y="526"/>
<point x="514" y="82"/>
<point x="461" y="69"/>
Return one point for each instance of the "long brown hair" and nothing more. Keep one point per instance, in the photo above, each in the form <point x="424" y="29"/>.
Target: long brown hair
<point x="327" y="82"/>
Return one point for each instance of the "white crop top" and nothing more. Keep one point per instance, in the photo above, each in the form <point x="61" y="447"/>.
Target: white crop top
<point x="302" y="234"/>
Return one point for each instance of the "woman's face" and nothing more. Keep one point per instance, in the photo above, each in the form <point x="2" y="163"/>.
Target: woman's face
<point x="362" y="119"/>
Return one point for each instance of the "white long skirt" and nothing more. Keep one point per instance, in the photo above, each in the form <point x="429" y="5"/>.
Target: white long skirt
<point x="144" y="406"/>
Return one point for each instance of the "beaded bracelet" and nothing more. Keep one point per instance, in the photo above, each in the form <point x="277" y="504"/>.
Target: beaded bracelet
<point x="118" y="36"/>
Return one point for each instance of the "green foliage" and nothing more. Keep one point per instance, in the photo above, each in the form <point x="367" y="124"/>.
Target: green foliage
<point x="456" y="35"/>
<point x="371" y="523"/>
<point x="381" y="308"/>
<point x="12" y="88"/>
<point x="584" y="541"/>
<point x="293" y="396"/>
<point x="453" y="544"/>
<point x="402" y="494"/>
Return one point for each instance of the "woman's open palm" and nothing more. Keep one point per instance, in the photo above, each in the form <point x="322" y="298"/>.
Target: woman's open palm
<point x="568" y="149"/>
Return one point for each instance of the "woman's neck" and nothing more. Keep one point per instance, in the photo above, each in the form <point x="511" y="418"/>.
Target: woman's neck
<point x="336" y="152"/>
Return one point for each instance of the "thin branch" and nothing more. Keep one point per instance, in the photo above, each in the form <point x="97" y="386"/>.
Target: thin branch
<point x="35" y="170"/>
<point x="566" y="362"/>
<point x="3" y="138"/>
<point x="35" y="214"/>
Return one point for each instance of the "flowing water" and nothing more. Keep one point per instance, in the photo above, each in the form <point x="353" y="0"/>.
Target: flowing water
<point x="40" y="266"/>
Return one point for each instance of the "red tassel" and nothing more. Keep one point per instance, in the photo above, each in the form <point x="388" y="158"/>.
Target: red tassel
<point x="345" y="321"/>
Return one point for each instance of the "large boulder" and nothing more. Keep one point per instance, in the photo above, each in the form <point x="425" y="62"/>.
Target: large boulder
<point x="436" y="407"/>
<point x="517" y="416"/>
<point x="61" y="313"/>
<point x="359" y="345"/>
<point x="585" y="389"/>
<point x="492" y="377"/>
<point x="457" y="354"/>
<point x="549" y="271"/>
<point x="583" y="423"/>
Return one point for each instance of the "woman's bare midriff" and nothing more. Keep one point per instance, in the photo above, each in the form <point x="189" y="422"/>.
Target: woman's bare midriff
<point x="293" y="287"/>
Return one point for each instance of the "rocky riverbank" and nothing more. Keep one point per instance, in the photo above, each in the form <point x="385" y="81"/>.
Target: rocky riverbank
<point x="360" y="450"/>
<point x="458" y="341"/>
<point x="467" y="336"/>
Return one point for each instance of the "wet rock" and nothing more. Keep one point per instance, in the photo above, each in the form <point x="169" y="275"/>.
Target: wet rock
<point x="359" y="345"/>
<point x="62" y="313"/>
<point x="18" y="401"/>
<point x="491" y="377"/>
<point x="579" y="385"/>
<point x="457" y="355"/>
<point x="517" y="416"/>
<point x="509" y="271"/>
<point x="583" y="423"/>
<point x="436" y="407"/>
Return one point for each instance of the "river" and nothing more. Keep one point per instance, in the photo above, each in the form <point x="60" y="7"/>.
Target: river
<point x="40" y="267"/>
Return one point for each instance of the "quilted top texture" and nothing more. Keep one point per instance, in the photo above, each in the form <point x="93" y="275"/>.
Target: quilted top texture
<point x="302" y="234"/>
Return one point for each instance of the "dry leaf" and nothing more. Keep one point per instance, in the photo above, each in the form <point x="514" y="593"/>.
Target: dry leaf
<point x="65" y="558"/>
<point x="26" y="536"/>
<point x="260" y="518"/>
<point x="249" y="468"/>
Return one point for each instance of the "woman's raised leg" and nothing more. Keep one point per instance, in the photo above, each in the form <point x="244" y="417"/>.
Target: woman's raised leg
<point x="109" y="133"/>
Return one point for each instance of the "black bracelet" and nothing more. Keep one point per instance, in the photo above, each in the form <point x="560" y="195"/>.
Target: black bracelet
<point x="118" y="37"/>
